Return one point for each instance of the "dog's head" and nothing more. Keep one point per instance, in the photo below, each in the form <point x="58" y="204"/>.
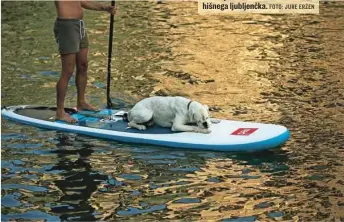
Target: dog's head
<point x="199" y="114"/>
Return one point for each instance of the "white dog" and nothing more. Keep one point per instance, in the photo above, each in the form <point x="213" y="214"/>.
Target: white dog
<point x="174" y="112"/>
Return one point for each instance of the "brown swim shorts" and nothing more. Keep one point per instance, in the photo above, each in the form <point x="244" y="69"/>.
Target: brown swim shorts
<point x="70" y="35"/>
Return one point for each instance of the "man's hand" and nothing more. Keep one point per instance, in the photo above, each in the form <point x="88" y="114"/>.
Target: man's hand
<point x="98" y="6"/>
<point x="110" y="9"/>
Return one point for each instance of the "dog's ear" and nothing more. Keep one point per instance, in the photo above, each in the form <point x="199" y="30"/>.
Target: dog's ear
<point x="191" y="114"/>
<point x="207" y="108"/>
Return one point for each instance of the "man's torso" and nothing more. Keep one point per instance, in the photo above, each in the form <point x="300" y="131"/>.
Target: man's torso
<point x="69" y="9"/>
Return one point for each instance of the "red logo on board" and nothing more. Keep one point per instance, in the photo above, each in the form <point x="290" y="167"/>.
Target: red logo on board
<point x="244" y="131"/>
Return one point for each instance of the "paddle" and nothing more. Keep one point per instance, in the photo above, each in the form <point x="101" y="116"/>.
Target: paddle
<point x="109" y="103"/>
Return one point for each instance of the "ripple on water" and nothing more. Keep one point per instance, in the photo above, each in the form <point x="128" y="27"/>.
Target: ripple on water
<point x="158" y="157"/>
<point x="11" y="200"/>
<point x="276" y="214"/>
<point x="99" y="85"/>
<point x="135" y="211"/>
<point x="264" y="205"/>
<point x="185" y="169"/>
<point x="131" y="176"/>
<point x="25" y="145"/>
<point x="187" y="200"/>
<point x="12" y="136"/>
<point x="23" y="187"/>
<point x="30" y="215"/>
<point x="162" y="162"/>
<point x="114" y="182"/>
<point x="214" y="180"/>
<point x="50" y="73"/>
<point x="240" y="219"/>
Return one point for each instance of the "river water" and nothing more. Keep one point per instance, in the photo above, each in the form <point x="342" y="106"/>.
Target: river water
<point x="283" y="69"/>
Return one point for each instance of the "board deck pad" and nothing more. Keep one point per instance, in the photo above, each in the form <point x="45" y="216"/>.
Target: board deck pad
<point x="89" y="119"/>
<point x="227" y="135"/>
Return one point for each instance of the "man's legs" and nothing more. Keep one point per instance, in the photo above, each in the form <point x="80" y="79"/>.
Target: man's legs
<point x="68" y="65"/>
<point x="81" y="80"/>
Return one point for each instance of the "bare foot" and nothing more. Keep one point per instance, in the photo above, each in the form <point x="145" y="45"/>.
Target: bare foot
<point x="66" y="118"/>
<point x="86" y="106"/>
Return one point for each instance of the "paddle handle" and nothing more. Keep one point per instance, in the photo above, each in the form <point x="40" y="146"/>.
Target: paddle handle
<point x="108" y="99"/>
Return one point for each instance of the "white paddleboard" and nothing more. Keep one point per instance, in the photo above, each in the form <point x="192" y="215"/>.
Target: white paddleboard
<point x="225" y="136"/>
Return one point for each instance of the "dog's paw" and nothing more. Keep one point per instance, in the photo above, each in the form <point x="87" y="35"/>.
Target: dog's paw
<point x="141" y="127"/>
<point x="205" y="131"/>
<point x="215" y="121"/>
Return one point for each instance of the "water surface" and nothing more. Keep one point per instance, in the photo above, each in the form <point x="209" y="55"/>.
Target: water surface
<point x="284" y="69"/>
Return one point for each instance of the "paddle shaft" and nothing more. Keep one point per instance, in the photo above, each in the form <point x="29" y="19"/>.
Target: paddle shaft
<point x="108" y="99"/>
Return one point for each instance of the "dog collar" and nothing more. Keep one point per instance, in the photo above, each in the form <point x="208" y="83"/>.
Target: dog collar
<point x="189" y="104"/>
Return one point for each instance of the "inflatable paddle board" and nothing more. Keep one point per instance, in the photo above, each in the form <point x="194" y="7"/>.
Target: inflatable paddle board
<point x="225" y="136"/>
